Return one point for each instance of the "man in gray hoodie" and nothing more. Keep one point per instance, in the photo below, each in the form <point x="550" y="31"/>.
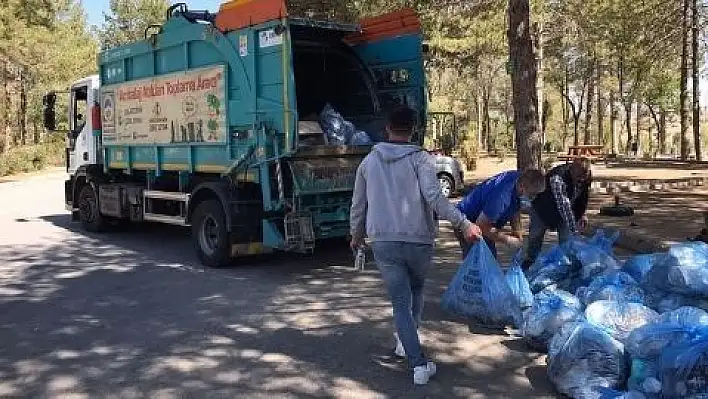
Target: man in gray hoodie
<point x="396" y="196"/>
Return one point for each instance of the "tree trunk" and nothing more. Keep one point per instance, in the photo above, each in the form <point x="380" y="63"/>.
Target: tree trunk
<point x="628" y="124"/>
<point x="684" y="81"/>
<point x="576" y="128"/>
<point x="539" y="84"/>
<point x="696" y="82"/>
<point x="523" y="83"/>
<point x="565" y="107"/>
<point x="600" y="116"/>
<point x="487" y="124"/>
<point x="22" y="116"/>
<point x="588" y="111"/>
<point x="613" y="119"/>
<point x="623" y="100"/>
<point x="480" y="123"/>
<point x="638" y="134"/>
<point x="662" y="132"/>
<point x="6" y="131"/>
<point x="4" y="109"/>
<point x="37" y="132"/>
<point x="657" y="123"/>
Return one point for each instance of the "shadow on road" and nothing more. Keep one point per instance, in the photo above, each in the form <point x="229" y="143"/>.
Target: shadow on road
<point x="131" y="314"/>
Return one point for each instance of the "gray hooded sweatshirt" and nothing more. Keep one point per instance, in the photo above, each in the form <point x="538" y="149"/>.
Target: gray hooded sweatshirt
<point x="396" y="194"/>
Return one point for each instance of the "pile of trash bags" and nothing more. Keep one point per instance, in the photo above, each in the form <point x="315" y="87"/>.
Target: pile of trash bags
<point x="339" y="131"/>
<point x="612" y="329"/>
<point x="645" y="327"/>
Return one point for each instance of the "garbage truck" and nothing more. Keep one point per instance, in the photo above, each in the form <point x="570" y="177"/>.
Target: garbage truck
<point x="222" y="122"/>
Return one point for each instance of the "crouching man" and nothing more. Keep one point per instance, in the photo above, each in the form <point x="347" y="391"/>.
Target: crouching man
<point x="561" y="206"/>
<point x="498" y="201"/>
<point x="396" y="193"/>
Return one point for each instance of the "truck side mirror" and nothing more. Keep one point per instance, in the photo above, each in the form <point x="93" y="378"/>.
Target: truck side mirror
<point x="49" y="114"/>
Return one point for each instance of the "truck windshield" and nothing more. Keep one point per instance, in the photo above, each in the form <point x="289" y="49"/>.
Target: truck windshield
<point x="79" y="102"/>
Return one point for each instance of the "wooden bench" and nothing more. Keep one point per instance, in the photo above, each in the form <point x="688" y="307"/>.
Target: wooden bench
<point x="591" y="152"/>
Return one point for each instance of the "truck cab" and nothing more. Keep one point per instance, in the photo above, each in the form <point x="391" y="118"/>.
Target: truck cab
<point x="239" y="125"/>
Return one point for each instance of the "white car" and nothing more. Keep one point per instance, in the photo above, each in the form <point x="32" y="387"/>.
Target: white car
<point x="450" y="174"/>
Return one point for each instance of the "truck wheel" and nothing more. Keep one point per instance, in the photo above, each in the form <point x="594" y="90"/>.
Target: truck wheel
<point x="211" y="238"/>
<point x="89" y="213"/>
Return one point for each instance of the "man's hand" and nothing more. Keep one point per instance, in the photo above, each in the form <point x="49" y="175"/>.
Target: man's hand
<point x="513" y="242"/>
<point x="473" y="233"/>
<point x="582" y="224"/>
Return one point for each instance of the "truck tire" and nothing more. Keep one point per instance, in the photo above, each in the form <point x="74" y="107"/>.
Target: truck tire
<point x="89" y="212"/>
<point x="211" y="239"/>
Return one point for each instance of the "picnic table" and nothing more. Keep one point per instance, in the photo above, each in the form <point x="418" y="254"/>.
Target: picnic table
<point x="593" y="152"/>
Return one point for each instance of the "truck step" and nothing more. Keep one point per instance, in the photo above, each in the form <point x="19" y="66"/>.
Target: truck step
<point x="166" y="195"/>
<point x="174" y="220"/>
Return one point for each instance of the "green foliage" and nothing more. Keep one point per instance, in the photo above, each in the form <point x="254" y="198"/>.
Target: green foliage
<point x="44" y="45"/>
<point x="33" y="157"/>
<point x="128" y="19"/>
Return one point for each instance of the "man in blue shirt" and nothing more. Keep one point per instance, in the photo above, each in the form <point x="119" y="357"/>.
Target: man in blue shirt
<point x="498" y="201"/>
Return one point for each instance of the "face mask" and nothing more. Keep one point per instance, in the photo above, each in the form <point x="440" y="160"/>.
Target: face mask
<point x="525" y="201"/>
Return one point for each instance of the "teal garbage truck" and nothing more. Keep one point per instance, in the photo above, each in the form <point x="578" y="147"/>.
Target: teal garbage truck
<point x="246" y="125"/>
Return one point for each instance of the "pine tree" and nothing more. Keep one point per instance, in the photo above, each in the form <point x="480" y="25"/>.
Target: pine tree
<point x="128" y="19"/>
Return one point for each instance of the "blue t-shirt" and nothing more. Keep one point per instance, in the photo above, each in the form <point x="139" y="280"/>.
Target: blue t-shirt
<point x="496" y="197"/>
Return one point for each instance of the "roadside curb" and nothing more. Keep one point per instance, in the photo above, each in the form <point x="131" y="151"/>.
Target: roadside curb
<point x="30" y="175"/>
<point x="646" y="185"/>
<point x="634" y="241"/>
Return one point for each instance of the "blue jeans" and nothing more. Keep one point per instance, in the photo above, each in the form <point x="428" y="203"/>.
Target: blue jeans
<point x="403" y="268"/>
<point x="537" y="233"/>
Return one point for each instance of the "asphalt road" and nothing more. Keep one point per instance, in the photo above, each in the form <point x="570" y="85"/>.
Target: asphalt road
<point x="132" y="314"/>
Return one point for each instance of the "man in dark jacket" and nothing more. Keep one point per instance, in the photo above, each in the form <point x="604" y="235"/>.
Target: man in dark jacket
<point x="561" y="206"/>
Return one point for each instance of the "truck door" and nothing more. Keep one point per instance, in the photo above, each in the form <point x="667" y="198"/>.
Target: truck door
<point x="81" y="143"/>
<point x="391" y="46"/>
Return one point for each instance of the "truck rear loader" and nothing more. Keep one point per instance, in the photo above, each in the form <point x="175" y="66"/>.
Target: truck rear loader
<point x="212" y="122"/>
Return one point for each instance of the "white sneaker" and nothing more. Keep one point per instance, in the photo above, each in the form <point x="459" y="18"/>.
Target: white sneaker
<point x="422" y="374"/>
<point x="400" y="351"/>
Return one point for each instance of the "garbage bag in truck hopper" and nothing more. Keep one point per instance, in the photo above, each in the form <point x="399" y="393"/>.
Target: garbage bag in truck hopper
<point x="337" y="130"/>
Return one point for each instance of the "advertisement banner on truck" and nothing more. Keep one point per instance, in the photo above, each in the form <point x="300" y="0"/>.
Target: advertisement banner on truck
<point x="184" y="107"/>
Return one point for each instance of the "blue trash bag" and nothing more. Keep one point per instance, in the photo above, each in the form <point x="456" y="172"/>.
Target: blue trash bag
<point x="549" y="269"/>
<point x="361" y="138"/>
<point x="517" y="282"/>
<point x="647" y="343"/>
<point x="619" y="319"/>
<point x="604" y="241"/>
<point x="683" y="270"/>
<point x="616" y="286"/>
<point x="609" y="393"/>
<point x="685" y="316"/>
<point x="684" y="369"/>
<point x="662" y="301"/>
<point x="638" y="266"/>
<point x="572" y="284"/>
<point x="480" y="292"/>
<point x="338" y="130"/>
<point x="644" y="377"/>
<point x="551" y="309"/>
<point x="594" y="260"/>
<point x="582" y="357"/>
